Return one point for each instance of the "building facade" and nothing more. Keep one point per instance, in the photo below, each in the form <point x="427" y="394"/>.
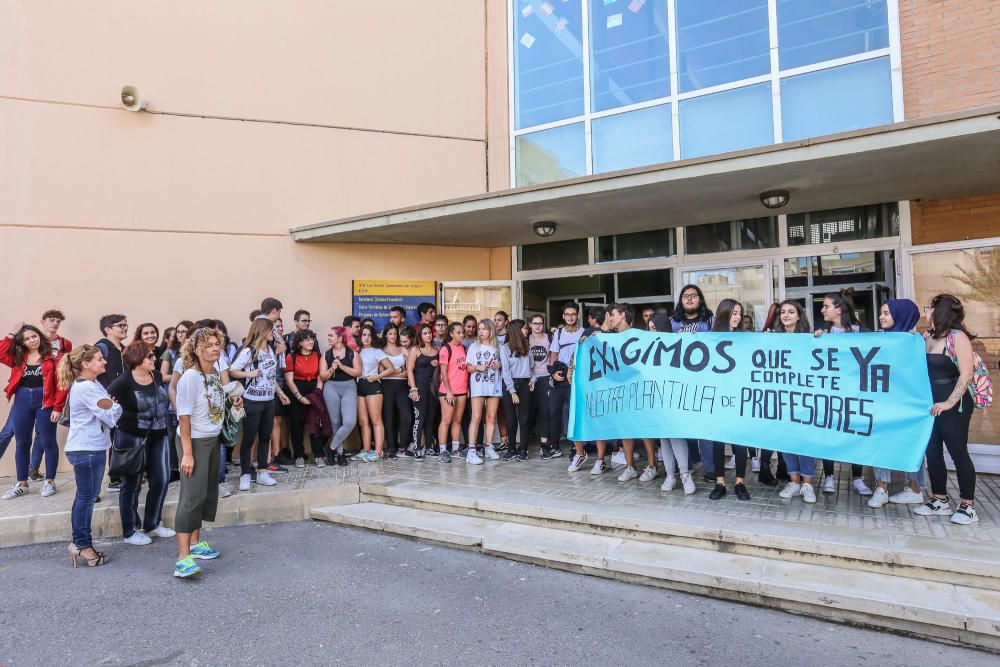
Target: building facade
<point x="419" y="141"/>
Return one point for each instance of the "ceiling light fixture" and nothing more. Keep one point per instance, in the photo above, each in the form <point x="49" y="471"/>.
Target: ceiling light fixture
<point x="774" y="198"/>
<point x="545" y="228"/>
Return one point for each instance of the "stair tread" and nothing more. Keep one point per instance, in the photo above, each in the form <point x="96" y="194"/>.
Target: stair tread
<point x="877" y="594"/>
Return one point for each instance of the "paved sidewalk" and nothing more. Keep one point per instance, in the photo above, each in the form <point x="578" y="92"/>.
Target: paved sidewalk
<point x="843" y="508"/>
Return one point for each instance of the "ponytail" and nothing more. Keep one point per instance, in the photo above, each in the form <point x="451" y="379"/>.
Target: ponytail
<point x="71" y="364"/>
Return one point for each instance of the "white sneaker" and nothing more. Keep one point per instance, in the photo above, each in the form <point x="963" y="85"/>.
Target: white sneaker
<point x="577" y="462"/>
<point x="755" y="464"/>
<point x="627" y="474"/>
<point x="907" y="497"/>
<point x="48" y="488"/>
<point x="472" y="457"/>
<point x="807" y="493"/>
<point x="15" y="491"/>
<point x="138" y="539"/>
<point x="300" y="462"/>
<point x="618" y="458"/>
<point x="245" y="482"/>
<point x="964" y="515"/>
<point x="649" y="474"/>
<point x="162" y="531"/>
<point x="880" y="498"/>
<point x="731" y="463"/>
<point x="688" y="483"/>
<point x="599" y="468"/>
<point x="790" y="491"/>
<point x="829" y="485"/>
<point x="225" y="491"/>
<point x="934" y="507"/>
<point x="264" y="478"/>
<point x="862" y="488"/>
<point x="669" y="483"/>
<point x="491" y="453"/>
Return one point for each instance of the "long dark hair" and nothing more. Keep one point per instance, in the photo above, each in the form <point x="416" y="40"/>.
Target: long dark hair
<point x="947" y="313"/>
<point x="304" y="335"/>
<point x="704" y="314"/>
<point x="376" y="341"/>
<point x="21" y="351"/>
<point x="802" y="326"/>
<point x="516" y="341"/>
<point x="175" y="345"/>
<point x="138" y="332"/>
<point x="723" y="312"/>
<point x="844" y="301"/>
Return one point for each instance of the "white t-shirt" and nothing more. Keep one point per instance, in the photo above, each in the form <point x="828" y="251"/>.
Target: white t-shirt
<point x="484" y="383"/>
<point x="260" y="388"/>
<point x="370" y="358"/>
<point x="89" y="425"/>
<point x="564" y="343"/>
<point x="398" y="361"/>
<point x="207" y="409"/>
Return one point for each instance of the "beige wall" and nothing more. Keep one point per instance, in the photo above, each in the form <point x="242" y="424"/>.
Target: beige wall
<point x="164" y="217"/>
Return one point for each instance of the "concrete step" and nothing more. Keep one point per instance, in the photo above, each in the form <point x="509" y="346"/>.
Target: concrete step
<point x="917" y="557"/>
<point x="936" y="610"/>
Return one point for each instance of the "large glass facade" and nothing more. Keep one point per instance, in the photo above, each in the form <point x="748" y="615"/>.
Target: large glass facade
<point x="602" y="68"/>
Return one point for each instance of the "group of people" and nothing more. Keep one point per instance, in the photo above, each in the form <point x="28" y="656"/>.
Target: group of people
<point x="179" y="406"/>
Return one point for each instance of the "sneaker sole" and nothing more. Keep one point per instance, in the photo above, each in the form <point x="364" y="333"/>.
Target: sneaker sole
<point x="180" y="575"/>
<point x="197" y="557"/>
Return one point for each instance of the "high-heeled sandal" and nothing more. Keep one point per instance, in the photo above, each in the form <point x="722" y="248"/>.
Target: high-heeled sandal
<point x="76" y="552"/>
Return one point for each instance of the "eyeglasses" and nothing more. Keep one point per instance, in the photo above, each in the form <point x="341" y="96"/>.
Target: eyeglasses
<point x="569" y="313"/>
<point x="121" y="325"/>
<point x="538" y="324"/>
<point x="306" y="321"/>
<point x="689" y="297"/>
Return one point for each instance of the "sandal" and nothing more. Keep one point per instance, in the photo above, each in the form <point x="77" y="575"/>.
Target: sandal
<point x="76" y="552"/>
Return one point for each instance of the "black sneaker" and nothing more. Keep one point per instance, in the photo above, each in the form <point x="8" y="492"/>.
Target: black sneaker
<point x="284" y="459"/>
<point x="418" y="455"/>
<point x="114" y="486"/>
<point x="766" y="478"/>
<point x="502" y="447"/>
<point x="510" y="455"/>
<point x="556" y="452"/>
<point x="391" y="455"/>
<point x="719" y="491"/>
<point x="546" y="453"/>
<point x="522" y="456"/>
<point x="342" y="460"/>
<point x="34" y="475"/>
<point x="409" y="453"/>
<point x="741" y="491"/>
<point x="709" y="478"/>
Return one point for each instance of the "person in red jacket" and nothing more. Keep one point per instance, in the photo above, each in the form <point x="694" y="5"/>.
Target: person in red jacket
<point x="38" y="402"/>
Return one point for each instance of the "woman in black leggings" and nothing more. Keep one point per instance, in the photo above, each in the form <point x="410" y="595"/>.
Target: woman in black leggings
<point x="729" y="317"/>
<point x="421" y="365"/>
<point x="951" y="366"/>
<point x="515" y="365"/>
<point x="397" y="412"/>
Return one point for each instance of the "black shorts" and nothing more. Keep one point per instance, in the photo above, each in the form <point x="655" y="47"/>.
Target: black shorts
<point x="280" y="409"/>
<point x="366" y="388"/>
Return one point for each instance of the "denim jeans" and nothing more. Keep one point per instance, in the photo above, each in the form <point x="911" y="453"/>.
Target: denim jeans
<point x="800" y="465"/>
<point x="6" y="435"/>
<point x="88" y="467"/>
<point x="885" y="475"/>
<point x="706" y="449"/>
<point x="28" y="416"/>
<point x="158" y="469"/>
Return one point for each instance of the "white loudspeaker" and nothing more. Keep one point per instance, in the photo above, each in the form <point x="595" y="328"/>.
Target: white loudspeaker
<point x="132" y="99"/>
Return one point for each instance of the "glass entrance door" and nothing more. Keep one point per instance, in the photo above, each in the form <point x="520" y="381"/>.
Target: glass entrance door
<point x="871" y="274"/>
<point x="747" y="284"/>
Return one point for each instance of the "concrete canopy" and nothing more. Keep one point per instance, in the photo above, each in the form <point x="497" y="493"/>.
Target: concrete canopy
<point x="946" y="156"/>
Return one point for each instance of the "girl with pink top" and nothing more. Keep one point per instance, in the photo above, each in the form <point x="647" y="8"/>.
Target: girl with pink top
<point x="453" y="391"/>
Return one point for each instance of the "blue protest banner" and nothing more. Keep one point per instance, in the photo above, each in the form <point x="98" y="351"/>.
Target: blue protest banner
<point x="861" y="398"/>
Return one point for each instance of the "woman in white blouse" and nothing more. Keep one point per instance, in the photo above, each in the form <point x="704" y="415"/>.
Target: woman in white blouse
<point x="92" y="416"/>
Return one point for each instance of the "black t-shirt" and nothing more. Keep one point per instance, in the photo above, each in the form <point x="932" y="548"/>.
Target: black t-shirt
<point x="31" y="378"/>
<point x="116" y="365"/>
<point x="144" y="407"/>
<point x="348" y="361"/>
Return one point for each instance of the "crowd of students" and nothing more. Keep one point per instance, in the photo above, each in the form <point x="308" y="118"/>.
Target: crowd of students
<point x="476" y="390"/>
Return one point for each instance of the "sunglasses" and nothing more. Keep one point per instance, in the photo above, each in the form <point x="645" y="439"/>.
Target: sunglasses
<point x="151" y="355"/>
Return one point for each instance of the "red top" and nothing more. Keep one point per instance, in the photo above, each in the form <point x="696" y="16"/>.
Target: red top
<point x="305" y="367"/>
<point x="52" y="396"/>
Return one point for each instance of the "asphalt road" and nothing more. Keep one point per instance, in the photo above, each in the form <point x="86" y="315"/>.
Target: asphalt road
<point x="311" y="593"/>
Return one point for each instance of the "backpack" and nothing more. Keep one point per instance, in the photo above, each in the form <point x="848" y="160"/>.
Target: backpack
<point x="254" y="362"/>
<point x="980" y="386"/>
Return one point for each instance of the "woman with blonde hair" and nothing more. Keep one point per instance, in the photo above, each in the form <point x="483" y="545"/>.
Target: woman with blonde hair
<point x="483" y="363"/>
<point x="201" y="410"/>
<point x="92" y="416"/>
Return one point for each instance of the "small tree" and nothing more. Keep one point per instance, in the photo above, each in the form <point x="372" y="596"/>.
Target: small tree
<point x="982" y="280"/>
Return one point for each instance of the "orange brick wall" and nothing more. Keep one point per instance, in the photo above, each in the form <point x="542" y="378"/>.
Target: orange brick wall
<point x="951" y="55"/>
<point x="941" y="220"/>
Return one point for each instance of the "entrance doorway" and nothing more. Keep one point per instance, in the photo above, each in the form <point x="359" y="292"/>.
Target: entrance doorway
<point x="871" y="275"/>
<point x="639" y="288"/>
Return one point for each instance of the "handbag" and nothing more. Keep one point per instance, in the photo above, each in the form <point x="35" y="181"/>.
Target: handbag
<point x="231" y="424"/>
<point x="127" y="460"/>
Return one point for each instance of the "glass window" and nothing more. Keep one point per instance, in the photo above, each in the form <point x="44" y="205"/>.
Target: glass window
<point x="556" y="253"/>
<point x="629" y="62"/>
<point x="749" y="234"/>
<point x="797" y="270"/>
<point x="836" y="100"/>
<point x="721" y="41"/>
<point x="848" y="267"/>
<point x="727" y="121"/>
<point x="484" y="301"/>
<point x="548" y="61"/>
<point x="811" y="32"/>
<point x="844" y="224"/>
<point x="639" y="245"/>
<point x="615" y="145"/>
<point x="550" y="155"/>
<point x="973" y="275"/>
<point x="744" y="283"/>
<point x="642" y="284"/>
